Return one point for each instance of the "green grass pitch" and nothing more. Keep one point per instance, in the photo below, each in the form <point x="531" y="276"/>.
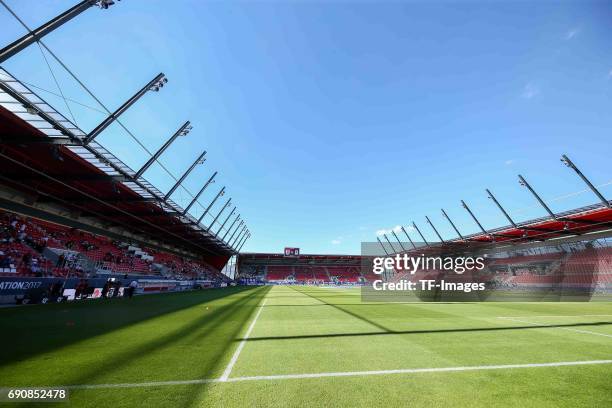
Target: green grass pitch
<point x="171" y="350"/>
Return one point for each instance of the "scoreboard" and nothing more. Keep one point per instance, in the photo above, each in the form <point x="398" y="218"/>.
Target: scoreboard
<point x="292" y="251"/>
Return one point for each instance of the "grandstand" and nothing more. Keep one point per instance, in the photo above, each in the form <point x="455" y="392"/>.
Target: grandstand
<point x="302" y="269"/>
<point x="32" y="247"/>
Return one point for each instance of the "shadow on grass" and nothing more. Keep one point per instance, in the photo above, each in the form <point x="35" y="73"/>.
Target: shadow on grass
<point x="380" y="304"/>
<point x="386" y="331"/>
<point x="342" y="309"/>
<point x="441" y="331"/>
<point x="200" y="347"/>
<point x="215" y="332"/>
<point x="38" y="329"/>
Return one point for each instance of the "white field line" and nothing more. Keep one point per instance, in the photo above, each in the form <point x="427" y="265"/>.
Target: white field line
<point x="340" y="374"/>
<point x="230" y="366"/>
<point x="543" y="326"/>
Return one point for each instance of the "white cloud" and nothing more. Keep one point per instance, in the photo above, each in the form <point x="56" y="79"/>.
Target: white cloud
<point x="384" y="231"/>
<point x="572" y="33"/>
<point x="336" y="241"/>
<point x="530" y="91"/>
<point x="508" y="162"/>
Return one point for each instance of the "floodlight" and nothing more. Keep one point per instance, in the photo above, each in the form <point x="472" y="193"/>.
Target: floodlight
<point x="159" y="84"/>
<point x="186" y="131"/>
<point x="104" y="4"/>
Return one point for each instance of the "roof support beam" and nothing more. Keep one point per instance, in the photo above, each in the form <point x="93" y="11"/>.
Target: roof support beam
<point x="398" y="241"/>
<point x="219" y="194"/>
<point x="241" y="245"/>
<point x="524" y="183"/>
<point x="451" y="223"/>
<point x="492" y="197"/>
<point x="484" y="231"/>
<point x="226" y="219"/>
<point x="409" y="239"/>
<point x="434" y="228"/>
<point x="383" y="247"/>
<point x="183" y="131"/>
<point x="566" y="160"/>
<point x="236" y="230"/>
<point x="210" y="180"/>
<point x="244" y="228"/>
<point x="199" y="160"/>
<point x="154" y="85"/>
<point x="229" y="201"/>
<point x="241" y="240"/>
<point x="419" y="231"/>
<point x="51" y="25"/>
<point x="390" y="244"/>
<point x="230" y="227"/>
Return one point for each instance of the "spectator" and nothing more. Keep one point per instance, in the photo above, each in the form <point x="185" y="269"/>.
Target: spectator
<point x="132" y="288"/>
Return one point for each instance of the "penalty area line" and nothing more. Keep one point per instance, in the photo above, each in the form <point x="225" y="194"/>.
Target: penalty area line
<point x="230" y="366"/>
<point x="340" y="374"/>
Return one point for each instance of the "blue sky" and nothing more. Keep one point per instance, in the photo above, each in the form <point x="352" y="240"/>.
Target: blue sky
<point x="330" y="121"/>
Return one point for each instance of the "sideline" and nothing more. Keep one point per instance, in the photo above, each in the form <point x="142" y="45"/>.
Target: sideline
<point x="338" y="374"/>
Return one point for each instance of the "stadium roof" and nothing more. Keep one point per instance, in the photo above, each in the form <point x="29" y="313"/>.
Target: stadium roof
<point x="593" y="218"/>
<point x="43" y="155"/>
<point x="567" y="225"/>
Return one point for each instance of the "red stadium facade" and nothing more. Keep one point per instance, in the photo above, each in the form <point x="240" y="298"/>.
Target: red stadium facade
<point x="301" y="269"/>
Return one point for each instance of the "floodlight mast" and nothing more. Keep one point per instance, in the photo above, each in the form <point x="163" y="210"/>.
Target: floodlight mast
<point x="246" y="239"/>
<point x="210" y="180"/>
<point x="199" y="160"/>
<point x="492" y="197"/>
<point x="238" y="236"/>
<point x="219" y="194"/>
<point x="229" y="201"/>
<point x="451" y="223"/>
<point x="484" y="231"/>
<point x="236" y="249"/>
<point x="434" y="228"/>
<point x="390" y="244"/>
<point x="566" y="160"/>
<point x="226" y="219"/>
<point x="524" y="183"/>
<point x="154" y="85"/>
<point x="243" y="242"/>
<point x="383" y="247"/>
<point x="408" y="236"/>
<point x="398" y="241"/>
<point x="51" y="25"/>
<point x="183" y="131"/>
<point x="236" y="230"/>
<point x="524" y="229"/>
<point x="419" y="231"/>
<point x="239" y="241"/>
<point x="244" y="228"/>
<point x="230" y="227"/>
